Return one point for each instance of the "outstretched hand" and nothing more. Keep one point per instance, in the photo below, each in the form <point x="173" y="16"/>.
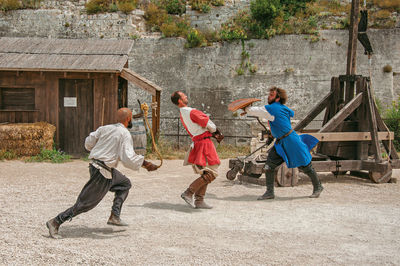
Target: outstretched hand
<point x="149" y="166"/>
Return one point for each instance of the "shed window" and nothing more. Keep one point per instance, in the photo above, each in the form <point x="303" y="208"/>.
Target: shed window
<point x="17" y="98"/>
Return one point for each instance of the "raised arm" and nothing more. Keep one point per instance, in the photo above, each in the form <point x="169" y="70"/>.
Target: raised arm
<point x="260" y="112"/>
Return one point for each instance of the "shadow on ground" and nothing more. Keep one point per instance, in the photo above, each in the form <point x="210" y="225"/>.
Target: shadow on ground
<point x="167" y="206"/>
<point x="89" y="232"/>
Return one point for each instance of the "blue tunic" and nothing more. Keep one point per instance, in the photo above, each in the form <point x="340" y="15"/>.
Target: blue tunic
<point x="294" y="149"/>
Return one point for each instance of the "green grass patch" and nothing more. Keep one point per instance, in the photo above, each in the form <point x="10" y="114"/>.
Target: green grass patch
<point x="7" y="155"/>
<point x="53" y="156"/>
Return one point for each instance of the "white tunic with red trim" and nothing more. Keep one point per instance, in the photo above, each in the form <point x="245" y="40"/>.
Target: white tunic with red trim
<point x="195" y="123"/>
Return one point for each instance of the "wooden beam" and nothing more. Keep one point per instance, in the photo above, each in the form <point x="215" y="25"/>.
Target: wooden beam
<point x="353" y="32"/>
<point x="352" y="49"/>
<point x="373" y="124"/>
<point x="363" y="124"/>
<point x="156" y="114"/>
<point x="350" y="136"/>
<point x="342" y="114"/>
<point x="140" y="81"/>
<point x="374" y="166"/>
<point x="314" y="112"/>
<point x="330" y="166"/>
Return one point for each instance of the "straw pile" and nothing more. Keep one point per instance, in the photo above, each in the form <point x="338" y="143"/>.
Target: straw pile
<point x="27" y="139"/>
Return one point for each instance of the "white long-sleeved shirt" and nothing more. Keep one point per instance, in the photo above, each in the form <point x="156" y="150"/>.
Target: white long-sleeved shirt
<point x="111" y="144"/>
<point x="260" y="112"/>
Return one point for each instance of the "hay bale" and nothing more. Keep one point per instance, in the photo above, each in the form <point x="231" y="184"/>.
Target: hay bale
<point x="27" y="139"/>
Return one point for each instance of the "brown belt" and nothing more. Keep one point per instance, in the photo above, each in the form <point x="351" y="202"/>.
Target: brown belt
<point x="284" y="136"/>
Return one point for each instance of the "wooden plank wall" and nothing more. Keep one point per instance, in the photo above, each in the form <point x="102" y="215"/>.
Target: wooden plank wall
<point x="46" y="86"/>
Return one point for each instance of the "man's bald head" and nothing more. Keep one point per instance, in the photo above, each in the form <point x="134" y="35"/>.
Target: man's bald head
<point x="124" y="115"/>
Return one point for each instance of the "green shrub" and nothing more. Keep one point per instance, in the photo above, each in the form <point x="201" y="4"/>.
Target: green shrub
<point x="175" y="28"/>
<point x="126" y="6"/>
<point x="194" y="39"/>
<point x="217" y="2"/>
<point x="97" y="6"/>
<point x="31" y="3"/>
<point x="242" y="27"/>
<point x="293" y="6"/>
<point x="155" y="16"/>
<point x="6" y="5"/>
<point x="392" y="5"/>
<point x="175" y="7"/>
<point x="113" y="8"/>
<point x="205" y="8"/>
<point x="392" y="121"/>
<point x="264" y="11"/>
<point x="53" y="156"/>
<point x="100" y="6"/>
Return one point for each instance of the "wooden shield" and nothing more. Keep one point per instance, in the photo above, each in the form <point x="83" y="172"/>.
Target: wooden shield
<point x="241" y="103"/>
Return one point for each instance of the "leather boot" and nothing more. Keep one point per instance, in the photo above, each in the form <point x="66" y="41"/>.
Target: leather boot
<point x="115" y="220"/>
<point x="317" y="187"/>
<point x="53" y="226"/>
<point x="199" y="198"/>
<point x="187" y="196"/>
<point x="269" y="181"/>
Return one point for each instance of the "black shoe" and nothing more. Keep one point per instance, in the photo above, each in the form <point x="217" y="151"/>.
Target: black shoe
<point x="53" y="226"/>
<point x="115" y="220"/>
<point x="317" y="192"/>
<point x="266" y="195"/>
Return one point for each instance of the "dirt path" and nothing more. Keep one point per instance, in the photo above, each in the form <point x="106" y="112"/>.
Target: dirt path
<point x="353" y="222"/>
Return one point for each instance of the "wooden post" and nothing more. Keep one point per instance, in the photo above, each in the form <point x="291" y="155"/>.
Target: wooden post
<point x="373" y="125"/>
<point x="156" y="114"/>
<point x="352" y="48"/>
<point x="363" y="124"/>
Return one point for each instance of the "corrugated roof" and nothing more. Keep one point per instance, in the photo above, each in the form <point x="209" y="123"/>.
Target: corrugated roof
<point x="37" y="54"/>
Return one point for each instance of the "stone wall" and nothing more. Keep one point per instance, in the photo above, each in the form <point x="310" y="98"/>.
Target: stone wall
<point x="209" y="76"/>
<point x="212" y="21"/>
<point x="68" y="19"/>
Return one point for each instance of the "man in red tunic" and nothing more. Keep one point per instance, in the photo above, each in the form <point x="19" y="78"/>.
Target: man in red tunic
<point x="202" y="155"/>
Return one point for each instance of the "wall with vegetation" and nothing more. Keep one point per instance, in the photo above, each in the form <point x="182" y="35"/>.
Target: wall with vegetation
<point x="210" y="74"/>
<point x="215" y="75"/>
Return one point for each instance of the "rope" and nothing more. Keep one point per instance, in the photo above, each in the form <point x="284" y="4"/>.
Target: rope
<point x="145" y="109"/>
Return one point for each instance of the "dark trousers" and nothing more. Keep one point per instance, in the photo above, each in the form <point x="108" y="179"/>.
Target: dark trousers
<point x="95" y="190"/>
<point x="274" y="160"/>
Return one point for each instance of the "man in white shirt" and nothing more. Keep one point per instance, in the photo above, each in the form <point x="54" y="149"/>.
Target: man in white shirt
<point x="107" y="145"/>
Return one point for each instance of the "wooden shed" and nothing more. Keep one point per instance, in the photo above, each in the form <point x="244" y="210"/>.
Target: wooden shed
<point x="76" y="85"/>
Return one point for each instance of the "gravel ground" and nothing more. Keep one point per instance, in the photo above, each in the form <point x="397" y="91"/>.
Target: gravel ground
<point x="353" y="222"/>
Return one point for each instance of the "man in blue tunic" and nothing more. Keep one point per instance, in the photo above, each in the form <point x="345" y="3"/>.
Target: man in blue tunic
<point x="289" y="147"/>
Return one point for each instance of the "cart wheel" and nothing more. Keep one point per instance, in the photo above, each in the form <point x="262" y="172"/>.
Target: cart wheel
<point x="339" y="172"/>
<point x="286" y="177"/>
<point x="379" y="177"/>
<point x="231" y="174"/>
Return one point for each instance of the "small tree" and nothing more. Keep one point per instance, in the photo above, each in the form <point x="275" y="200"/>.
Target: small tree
<point x="264" y="11"/>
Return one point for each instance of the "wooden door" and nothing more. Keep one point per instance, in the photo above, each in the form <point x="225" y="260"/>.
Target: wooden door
<point x="75" y="114"/>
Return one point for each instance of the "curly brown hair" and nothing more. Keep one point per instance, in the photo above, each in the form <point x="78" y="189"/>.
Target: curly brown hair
<point x="281" y="93"/>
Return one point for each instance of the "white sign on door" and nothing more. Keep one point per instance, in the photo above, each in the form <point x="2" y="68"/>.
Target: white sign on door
<point x="70" y="102"/>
